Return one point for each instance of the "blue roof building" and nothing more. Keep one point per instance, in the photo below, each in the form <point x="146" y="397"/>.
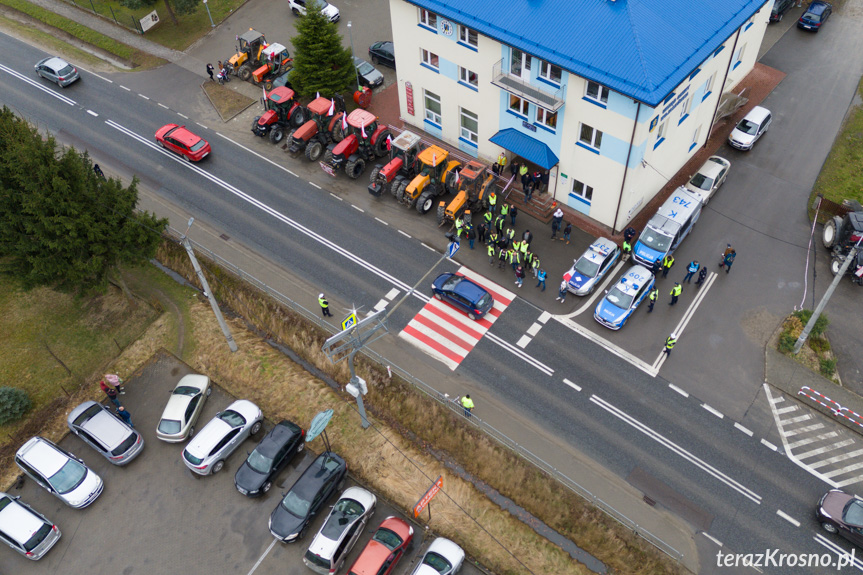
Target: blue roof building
<point x="606" y="95"/>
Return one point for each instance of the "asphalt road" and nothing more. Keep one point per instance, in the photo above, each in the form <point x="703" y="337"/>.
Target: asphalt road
<point x="659" y="438"/>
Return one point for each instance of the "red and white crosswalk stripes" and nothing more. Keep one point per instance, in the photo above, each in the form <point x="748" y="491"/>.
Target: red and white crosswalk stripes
<point x="445" y="332"/>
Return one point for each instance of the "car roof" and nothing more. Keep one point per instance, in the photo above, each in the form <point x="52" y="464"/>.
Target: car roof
<point x="470" y="290"/>
<point x="245" y="408"/>
<point x="55" y="63"/>
<point x="600" y="249"/>
<point x="18" y="521"/>
<point x="382" y="44"/>
<point x="628" y="283"/>
<point x="446" y="548"/>
<point x="817" y="6"/>
<point x="711" y="168"/>
<point x="193" y="380"/>
<point x="208" y="437"/>
<point x="315" y="474"/>
<point x="105" y="427"/>
<point x="186" y="137"/>
<point x="277" y="437"/>
<point x="43" y="455"/>
<point x="757" y="114"/>
<point x="176" y="407"/>
<point x="320" y="106"/>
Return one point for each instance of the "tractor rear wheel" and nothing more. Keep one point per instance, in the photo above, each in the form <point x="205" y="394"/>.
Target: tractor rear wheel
<point x="277" y="134"/>
<point x="830" y="232"/>
<point x="338" y="133"/>
<point x="381" y="144"/>
<point x="328" y="157"/>
<point x="298" y="118"/>
<point x="441" y="213"/>
<point x="355" y="168"/>
<point x="426" y="201"/>
<point x="374" y="175"/>
<point x="399" y="190"/>
<point x="245" y="72"/>
<point x="314" y="149"/>
<point x="268" y="85"/>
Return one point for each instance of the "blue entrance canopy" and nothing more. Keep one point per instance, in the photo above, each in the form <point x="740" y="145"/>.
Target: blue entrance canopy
<point x="528" y="148"/>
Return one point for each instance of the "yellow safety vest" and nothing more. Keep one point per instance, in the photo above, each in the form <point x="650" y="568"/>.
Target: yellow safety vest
<point x="676" y="290"/>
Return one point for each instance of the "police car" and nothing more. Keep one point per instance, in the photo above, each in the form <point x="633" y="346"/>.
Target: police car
<point x="620" y="302"/>
<point x="591" y="267"/>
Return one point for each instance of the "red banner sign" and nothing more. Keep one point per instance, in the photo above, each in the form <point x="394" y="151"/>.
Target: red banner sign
<point x="409" y="94"/>
<point x="426" y="499"/>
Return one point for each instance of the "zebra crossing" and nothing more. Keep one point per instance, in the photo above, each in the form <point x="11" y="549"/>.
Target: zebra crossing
<point x="825" y="448"/>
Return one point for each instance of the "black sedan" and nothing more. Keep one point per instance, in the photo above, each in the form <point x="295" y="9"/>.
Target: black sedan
<point x="276" y="449"/>
<point x="325" y="476"/>
<point x="467" y="296"/>
<point x="842" y="513"/>
<point x="367" y="74"/>
<point x="383" y="53"/>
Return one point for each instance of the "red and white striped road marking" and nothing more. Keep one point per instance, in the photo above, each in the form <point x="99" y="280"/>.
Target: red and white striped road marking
<point x="445" y="332"/>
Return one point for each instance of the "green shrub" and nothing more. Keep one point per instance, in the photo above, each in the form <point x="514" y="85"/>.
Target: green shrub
<point x="820" y="325"/>
<point x="786" y="342"/>
<point x="14" y="403"/>
<point x="819" y="344"/>
<point x="828" y="367"/>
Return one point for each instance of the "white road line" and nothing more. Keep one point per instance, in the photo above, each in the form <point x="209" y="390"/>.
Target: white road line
<point x="92" y="73"/>
<point x="182" y="116"/>
<point x="544" y="317"/>
<point x="92" y="113"/>
<point x="678" y="390"/>
<point x="800" y="430"/>
<point x="714" y="411"/>
<point x="787" y="518"/>
<point x="404" y="234"/>
<point x="776" y="400"/>
<point x="381" y="221"/>
<point x="254" y="153"/>
<point x="143" y="96"/>
<point x="809" y="440"/>
<point x="572" y="385"/>
<point x="797" y="419"/>
<point x="380" y="305"/>
<point x="842" y="471"/>
<point x="835" y="459"/>
<point x="315" y="185"/>
<point x="596" y="292"/>
<point x="391" y="294"/>
<point x="832" y="447"/>
<point x="851" y="481"/>
<point x="336" y="197"/>
<point x="688" y="314"/>
<point x="124" y="87"/>
<point x="714" y="539"/>
<point x="534" y="329"/>
<point x="261" y="558"/>
<point x="428" y="247"/>
<point x="163" y="105"/>
<point x="523" y="341"/>
<point x="769" y="445"/>
<point x="520" y="354"/>
<point x="843" y="554"/>
<point x="357" y="208"/>
<point x="743" y="429"/>
<point x="202" y="125"/>
<point x="786" y="409"/>
<point x="677" y="449"/>
<point x="607" y="345"/>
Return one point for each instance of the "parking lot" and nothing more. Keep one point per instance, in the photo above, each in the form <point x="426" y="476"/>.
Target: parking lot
<point x="155" y="516"/>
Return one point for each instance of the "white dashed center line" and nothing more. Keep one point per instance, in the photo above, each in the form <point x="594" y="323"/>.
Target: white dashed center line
<point x="787" y="518"/>
<point x="678" y="390"/>
<point x="572" y="385"/>
<point x="743" y="429"/>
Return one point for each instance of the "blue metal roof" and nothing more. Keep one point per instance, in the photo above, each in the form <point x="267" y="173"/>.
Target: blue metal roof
<point x="523" y="145"/>
<point x="640" y="48"/>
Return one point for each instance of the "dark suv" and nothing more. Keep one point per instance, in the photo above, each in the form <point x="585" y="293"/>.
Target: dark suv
<point x="816" y="14"/>
<point x="276" y="449"/>
<point x="780" y="7"/>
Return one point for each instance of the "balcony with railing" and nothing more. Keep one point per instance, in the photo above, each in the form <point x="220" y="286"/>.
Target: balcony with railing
<point x="547" y="99"/>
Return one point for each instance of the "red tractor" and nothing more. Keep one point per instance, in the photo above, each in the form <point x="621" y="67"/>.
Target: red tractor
<point x="283" y="112"/>
<point x="364" y="141"/>
<point x="401" y="167"/>
<point x="324" y="127"/>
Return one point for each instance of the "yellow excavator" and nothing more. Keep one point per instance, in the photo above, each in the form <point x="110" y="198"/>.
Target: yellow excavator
<point x="248" y="57"/>
<point x="437" y="177"/>
<point x="475" y="182"/>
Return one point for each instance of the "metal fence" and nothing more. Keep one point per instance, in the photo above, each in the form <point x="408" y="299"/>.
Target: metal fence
<point x="443" y="399"/>
<point x="121" y="16"/>
<point x="829" y="209"/>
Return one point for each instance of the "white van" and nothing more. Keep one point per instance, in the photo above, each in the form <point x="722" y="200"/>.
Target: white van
<point x="667" y="228"/>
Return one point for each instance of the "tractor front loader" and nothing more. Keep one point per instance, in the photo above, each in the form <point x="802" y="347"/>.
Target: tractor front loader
<point x="474" y="182"/>
<point x="401" y="168"/>
<point x="436" y="178"/>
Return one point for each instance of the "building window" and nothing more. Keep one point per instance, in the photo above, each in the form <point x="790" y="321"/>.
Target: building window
<point x="708" y="87"/>
<point x="684" y="109"/>
<point x="546" y="118"/>
<point x="550" y="72"/>
<point x="582" y="190"/>
<point x="468" y="77"/>
<point x="428" y="18"/>
<point x="519" y="64"/>
<point x="467" y="36"/>
<point x="433" y="110"/>
<point x="718" y="50"/>
<point x="695" y="138"/>
<point x="469" y="126"/>
<point x="597" y="92"/>
<point x="738" y="56"/>
<point x="590" y="137"/>
<point x="518" y="105"/>
<point x="430" y="59"/>
<point x="660" y="134"/>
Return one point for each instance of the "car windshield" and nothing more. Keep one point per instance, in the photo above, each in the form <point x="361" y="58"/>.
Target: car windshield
<point x="201" y="143"/>
<point x="747" y="127"/>
<point x="619" y="298"/>
<point x="586" y="267"/>
<point x="69" y="477"/>
<point x="38" y="537"/>
<point x="232" y="418"/>
<point x="364" y="68"/>
<point x="186" y="390"/>
<point x="437" y="562"/>
<point x="812" y="17"/>
<point x="655" y="241"/>
<point x="260" y="463"/>
<point x="853" y="513"/>
<point x="191" y="458"/>
<point x="67" y="69"/>
<point x="449" y="284"/>
<point x="387" y="538"/>
<point x="126" y="445"/>
<point x="87" y="414"/>
<point x="344" y="512"/>
<point x="169" y="426"/>
<point x="296" y="505"/>
<point x="701" y="182"/>
<point x="484" y="301"/>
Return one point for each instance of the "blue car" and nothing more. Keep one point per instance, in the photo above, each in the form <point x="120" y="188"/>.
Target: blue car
<point x="620" y="302"/>
<point x="816" y="14"/>
<point x="463" y="294"/>
<point x="587" y="271"/>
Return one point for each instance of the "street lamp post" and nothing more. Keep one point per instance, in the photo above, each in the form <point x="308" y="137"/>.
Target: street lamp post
<point x="207" y="6"/>
<point x="356" y="72"/>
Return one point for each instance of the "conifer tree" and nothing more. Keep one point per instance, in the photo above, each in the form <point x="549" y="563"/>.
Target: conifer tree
<point x="321" y="64"/>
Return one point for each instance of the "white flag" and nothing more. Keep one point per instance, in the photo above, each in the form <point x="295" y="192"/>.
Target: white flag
<point x="456" y="177"/>
<point x="317" y="94"/>
<point x="363" y="130"/>
<point x="345" y="123"/>
<point x="434" y="160"/>
<point x="265" y="92"/>
<point x="332" y="108"/>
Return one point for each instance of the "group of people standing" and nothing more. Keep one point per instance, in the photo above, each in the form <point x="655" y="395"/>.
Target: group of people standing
<point x="536" y="181"/>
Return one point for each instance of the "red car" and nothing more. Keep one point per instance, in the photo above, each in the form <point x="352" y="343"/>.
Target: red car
<point x="385" y="548"/>
<point x="181" y="141"/>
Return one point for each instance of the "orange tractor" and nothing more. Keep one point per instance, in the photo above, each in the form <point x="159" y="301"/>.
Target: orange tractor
<point x="282" y="112"/>
<point x="436" y="178"/>
<point x="365" y="140"/>
<point x="401" y="168"/>
<point x="275" y="61"/>
<point x="475" y="182"/>
<point x="324" y="127"/>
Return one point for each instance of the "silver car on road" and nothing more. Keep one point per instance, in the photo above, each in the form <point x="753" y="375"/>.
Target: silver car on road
<point x="57" y="70"/>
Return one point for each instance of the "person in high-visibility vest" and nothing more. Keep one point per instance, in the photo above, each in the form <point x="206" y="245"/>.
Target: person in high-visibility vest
<point x="467" y="405"/>
<point x="690" y="271"/>
<point x="491" y="254"/>
<point x="501" y="161"/>
<point x="504" y="210"/>
<point x="510" y="233"/>
<point x="502" y="256"/>
<point x="488" y="217"/>
<point x="651" y="298"/>
<point x="492" y="202"/>
<point x="458" y="226"/>
<point x="627" y="247"/>
<point x="325" y="305"/>
<point x="669" y="343"/>
<point x="667" y="262"/>
<point x="675" y="293"/>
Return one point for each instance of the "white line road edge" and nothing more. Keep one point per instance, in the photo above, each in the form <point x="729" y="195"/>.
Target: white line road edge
<point x="38" y="85"/>
<point x="262" y="557"/>
<point x="787" y="518"/>
<point x="823" y="541"/>
<point x="712" y="538"/>
<point x="607" y="345"/>
<point x="690" y="311"/>
<point x="572" y="385"/>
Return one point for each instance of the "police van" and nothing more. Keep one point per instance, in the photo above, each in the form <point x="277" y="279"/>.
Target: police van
<point x="667" y="228"/>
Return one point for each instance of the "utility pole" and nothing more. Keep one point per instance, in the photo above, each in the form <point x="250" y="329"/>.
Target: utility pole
<point x="452" y="248"/>
<point x="207" y="291"/>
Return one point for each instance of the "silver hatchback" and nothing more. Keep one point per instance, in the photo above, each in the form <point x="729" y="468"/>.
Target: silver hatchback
<point x="59" y="472"/>
<point x="206" y="453"/>
<point x="105" y="432"/>
<point x="57" y="70"/>
<point x="25" y="530"/>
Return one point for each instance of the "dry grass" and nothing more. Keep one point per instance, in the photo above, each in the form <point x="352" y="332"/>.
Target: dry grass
<point x="227" y="102"/>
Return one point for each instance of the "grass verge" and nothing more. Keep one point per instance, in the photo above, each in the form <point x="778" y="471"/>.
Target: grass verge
<point x="227" y="102"/>
<point x="816" y="353"/>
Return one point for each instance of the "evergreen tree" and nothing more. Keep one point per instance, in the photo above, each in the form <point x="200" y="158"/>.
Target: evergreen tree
<point x="321" y="63"/>
<point x="61" y="225"/>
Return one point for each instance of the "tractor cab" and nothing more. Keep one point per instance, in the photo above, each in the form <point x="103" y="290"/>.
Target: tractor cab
<point x="405" y="147"/>
<point x="436" y="178"/>
<point x="250" y="45"/>
<point x="841" y="233"/>
<point x="433" y="162"/>
<point x="364" y="141"/>
<point x="281" y="111"/>
<point x="474" y="180"/>
<point x="275" y="61"/>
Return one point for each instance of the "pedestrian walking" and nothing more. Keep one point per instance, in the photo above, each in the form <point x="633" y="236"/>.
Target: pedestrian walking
<point x="467" y="405"/>
<point x="481" y="232"/>
<point x="729" y="259"/>
<point x="491" y="254"/>
<point x="702" y="275"/>
<point x="656" y="267"/>
<point x="519" y="276"/>
<point x="567" y="231"/>
<point x="513" y="212"/>
<point x="541" y="279"/>
<point x="690" y="271"/>
<point x="111" y="392"/>
<point x="115" y="381"/>
<point x="669" y="343"/>
<point x="675" y="293"/>
<point x="471" y="235"/>
<point x="502" y="256"/>
<point x="651" y="298"/>
<point x="121" y="411"/>
<point x="210" y="72"/>
<point x="667" y="262"/>
<point x="325" y="305"/>
<point x="727" y="251"/>
<point x="561" y="292"/>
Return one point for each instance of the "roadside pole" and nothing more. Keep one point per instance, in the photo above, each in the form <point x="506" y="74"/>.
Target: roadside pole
<point x="452" y="248"/>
